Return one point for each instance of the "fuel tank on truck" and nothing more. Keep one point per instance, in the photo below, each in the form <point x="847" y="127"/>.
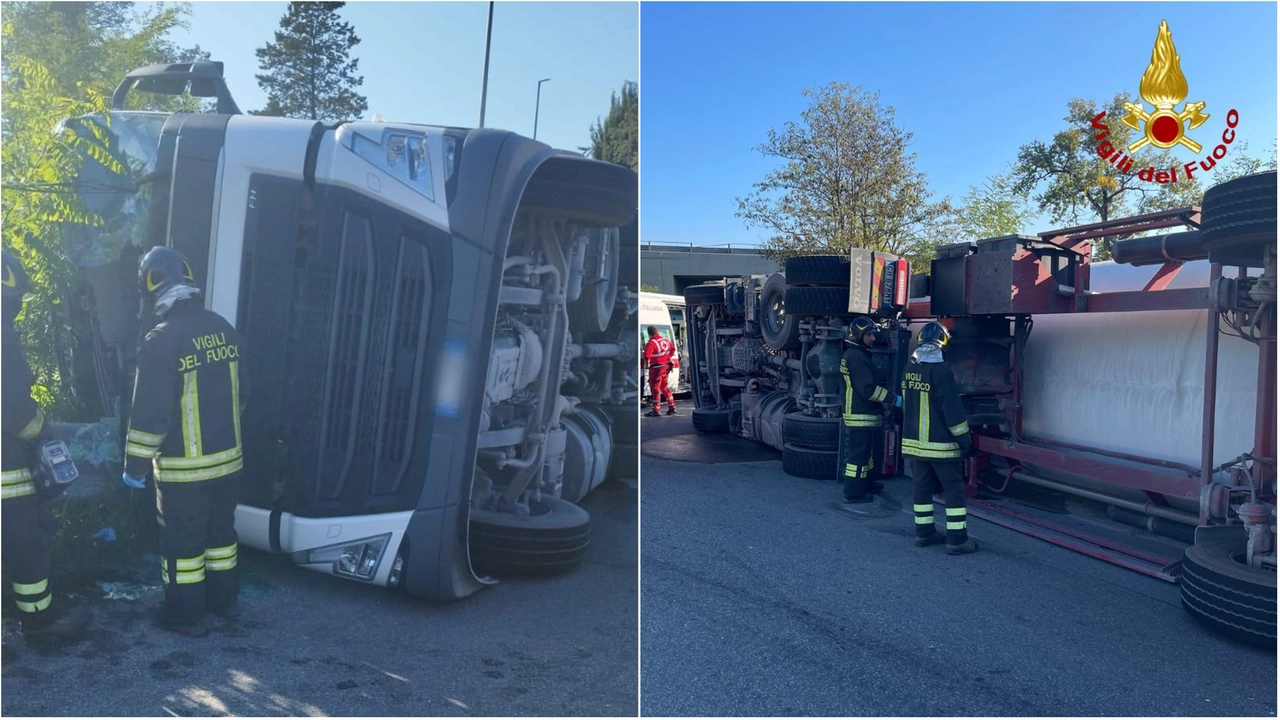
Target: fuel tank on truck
<point x="1133" y="382"/>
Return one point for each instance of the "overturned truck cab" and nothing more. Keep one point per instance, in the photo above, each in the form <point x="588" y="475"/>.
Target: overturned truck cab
<point x="439" y="334"/>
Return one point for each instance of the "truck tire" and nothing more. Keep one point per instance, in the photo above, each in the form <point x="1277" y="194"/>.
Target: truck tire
<point x="808" y="463"/>
<point x="780" y="329"/>
<point x="711" y="420"/>
<point x="625" y="461"/>
<point x="1227" y="595"/>
<point x="820" y="270"/>
<point x="704" y="294"/>
<point x="552" y="539"/>
<point x="807" y="431"/>
<point x="803" y="301"/>
<point x="1238" y="219"/>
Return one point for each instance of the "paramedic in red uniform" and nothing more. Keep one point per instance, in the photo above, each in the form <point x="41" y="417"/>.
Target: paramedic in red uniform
<point x="185" y="428"/>
<point x="659" y="357"/>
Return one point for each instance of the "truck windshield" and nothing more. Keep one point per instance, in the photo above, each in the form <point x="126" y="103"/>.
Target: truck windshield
<point x="118" y="194"/>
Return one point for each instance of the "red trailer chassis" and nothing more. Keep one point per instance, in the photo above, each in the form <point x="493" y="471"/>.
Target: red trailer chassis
<point x="1035" y="289"/>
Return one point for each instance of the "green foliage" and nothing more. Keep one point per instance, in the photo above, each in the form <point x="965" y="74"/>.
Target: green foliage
<point x="648" y="288"/>
<point x="60" y="61"/>
<point x="308" y="71"/>
<point x="993" y="210"/>
<point x="616" y="139"/>
<point x="846" y="180"/>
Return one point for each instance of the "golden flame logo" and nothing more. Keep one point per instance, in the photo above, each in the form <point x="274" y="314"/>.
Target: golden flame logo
<point x="1164" y="86"/>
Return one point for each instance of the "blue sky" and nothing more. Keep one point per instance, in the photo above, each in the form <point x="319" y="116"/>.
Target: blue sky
<point x="972" y="81"/>
<point x="423" y="62"/>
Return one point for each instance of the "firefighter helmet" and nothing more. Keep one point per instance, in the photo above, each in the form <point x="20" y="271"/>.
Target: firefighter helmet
<point x="162" y="268"/>
<point x="16" y="283"/>
<point x="933" y="333"/>
<point x="857" y="329"/>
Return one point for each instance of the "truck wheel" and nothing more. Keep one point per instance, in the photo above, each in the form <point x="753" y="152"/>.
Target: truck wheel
<point x="704" y="294"/>
<point x="711" y="420"/>
<point x="824" y="270"/>
<point x="806" y="431"/>
<point x="1238" y="219"/>
<point x="817" y="300"/>
<point x="807" y="463"/>
<point x="781" y="331"/>
<point x="1227" y="595"/>
<point x="593" y="308"/>
<point x="625" y="462"/>
<point x="552" y="539"/>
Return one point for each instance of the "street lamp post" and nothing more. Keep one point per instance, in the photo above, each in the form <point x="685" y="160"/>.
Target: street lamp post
<point x="537" y="106"/>
<point x="484" y="88"/>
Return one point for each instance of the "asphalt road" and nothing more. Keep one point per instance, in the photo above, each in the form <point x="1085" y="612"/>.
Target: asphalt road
<point x="310" y="644"/>
<point x="760" y="596"/>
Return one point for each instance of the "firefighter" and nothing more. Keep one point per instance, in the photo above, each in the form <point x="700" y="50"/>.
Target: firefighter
<point x="936" y="438"/>
<point x="659" y="357"/>
<point x="863" y="400"/>
<point x="185" y="427"/>
<point x="25" y="542"/>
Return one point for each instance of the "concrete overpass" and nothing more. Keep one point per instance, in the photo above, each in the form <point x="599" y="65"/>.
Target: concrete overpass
<point x="672" y="268"/>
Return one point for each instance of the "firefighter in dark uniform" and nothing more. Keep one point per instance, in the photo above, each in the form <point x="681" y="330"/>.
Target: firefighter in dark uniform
<point x="25" y="542"/>
<point x="863" y="401"/>
<point x="936" y="438"/>
<point x="185" y="427"/>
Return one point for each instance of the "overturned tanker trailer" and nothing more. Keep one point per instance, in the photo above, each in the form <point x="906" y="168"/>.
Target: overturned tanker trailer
<point x="439" y="325"/>
<point x="1151" y="390"/>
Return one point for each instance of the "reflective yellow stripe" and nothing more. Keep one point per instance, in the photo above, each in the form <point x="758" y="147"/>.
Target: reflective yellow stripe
<point x="235" y="398"/>
<point x="32" y="428"/>
<point x="228" y="564"/>
<point x="861" y="420"/>
<point x="146" y="452"/>
<point x="16" y="491"/>
<point x="145" y="438"/>
<point x="851" y="470"/>
<point x="848" y="391"/>
<point x="190" y="577"/>
<point x="960" y="429"/>
<point x="37" y="606"/>
<point x="931" y="445"/>
<point x="956" y="512"/>
<point x="31" y="588"/>
<point x="190" y="408"/>
<point x="211" y="473"/>
<point x="956" y="525"/>
<point x="226" y="551"/>
<point x="924" y="519"/>
<point x="14" y="477"/>
<point x="203" y="461"/>
<point x="923" y="508"/>
<point x="909" y="449"/>
<point x="879" y="394"/>
<point x="924" y="416"/>
<point x="194" y="563"/>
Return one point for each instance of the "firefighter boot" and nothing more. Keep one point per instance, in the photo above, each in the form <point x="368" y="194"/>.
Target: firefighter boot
<point x="964" y="548"/>
<point x="936" y="538"/>
<point x="190" y="628"/>
<point x="56" y="626"/>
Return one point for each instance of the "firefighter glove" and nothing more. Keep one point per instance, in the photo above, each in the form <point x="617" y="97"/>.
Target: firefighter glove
<point x="133" y="482"/>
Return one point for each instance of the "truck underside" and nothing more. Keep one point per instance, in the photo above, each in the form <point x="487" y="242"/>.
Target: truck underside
<point x="1116" y="398"/>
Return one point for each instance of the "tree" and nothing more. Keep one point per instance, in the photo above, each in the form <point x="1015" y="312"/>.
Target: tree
<point x="308" y="71"/>
<point x="993" y="210"/>
<point x="846" y="180"/>
<point x="649" y="288"/>
<point x="1241" y="163"/>
<point x="616" y="139"/>
<point x="1074" y="183"/>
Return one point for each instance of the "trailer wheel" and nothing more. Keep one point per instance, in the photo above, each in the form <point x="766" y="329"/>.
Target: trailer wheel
<point x="704" y="294"/>
<point x="711" y="419"/>
<point x="809" y="463"/>
<point x="781" y="330"/>
<point x="807" y="431"/>
<point x="1227" y="595"/>
<point x="1238" y="219"/>
<point x="817" y="300"/>
<point x="824" y="270"/>
<point x="553" y="538"/>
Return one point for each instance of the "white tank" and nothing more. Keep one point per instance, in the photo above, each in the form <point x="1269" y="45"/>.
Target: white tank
<point x="1133" y="382"/>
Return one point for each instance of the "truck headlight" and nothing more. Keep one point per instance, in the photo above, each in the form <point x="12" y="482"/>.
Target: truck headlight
<point x="358" y="559"/>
